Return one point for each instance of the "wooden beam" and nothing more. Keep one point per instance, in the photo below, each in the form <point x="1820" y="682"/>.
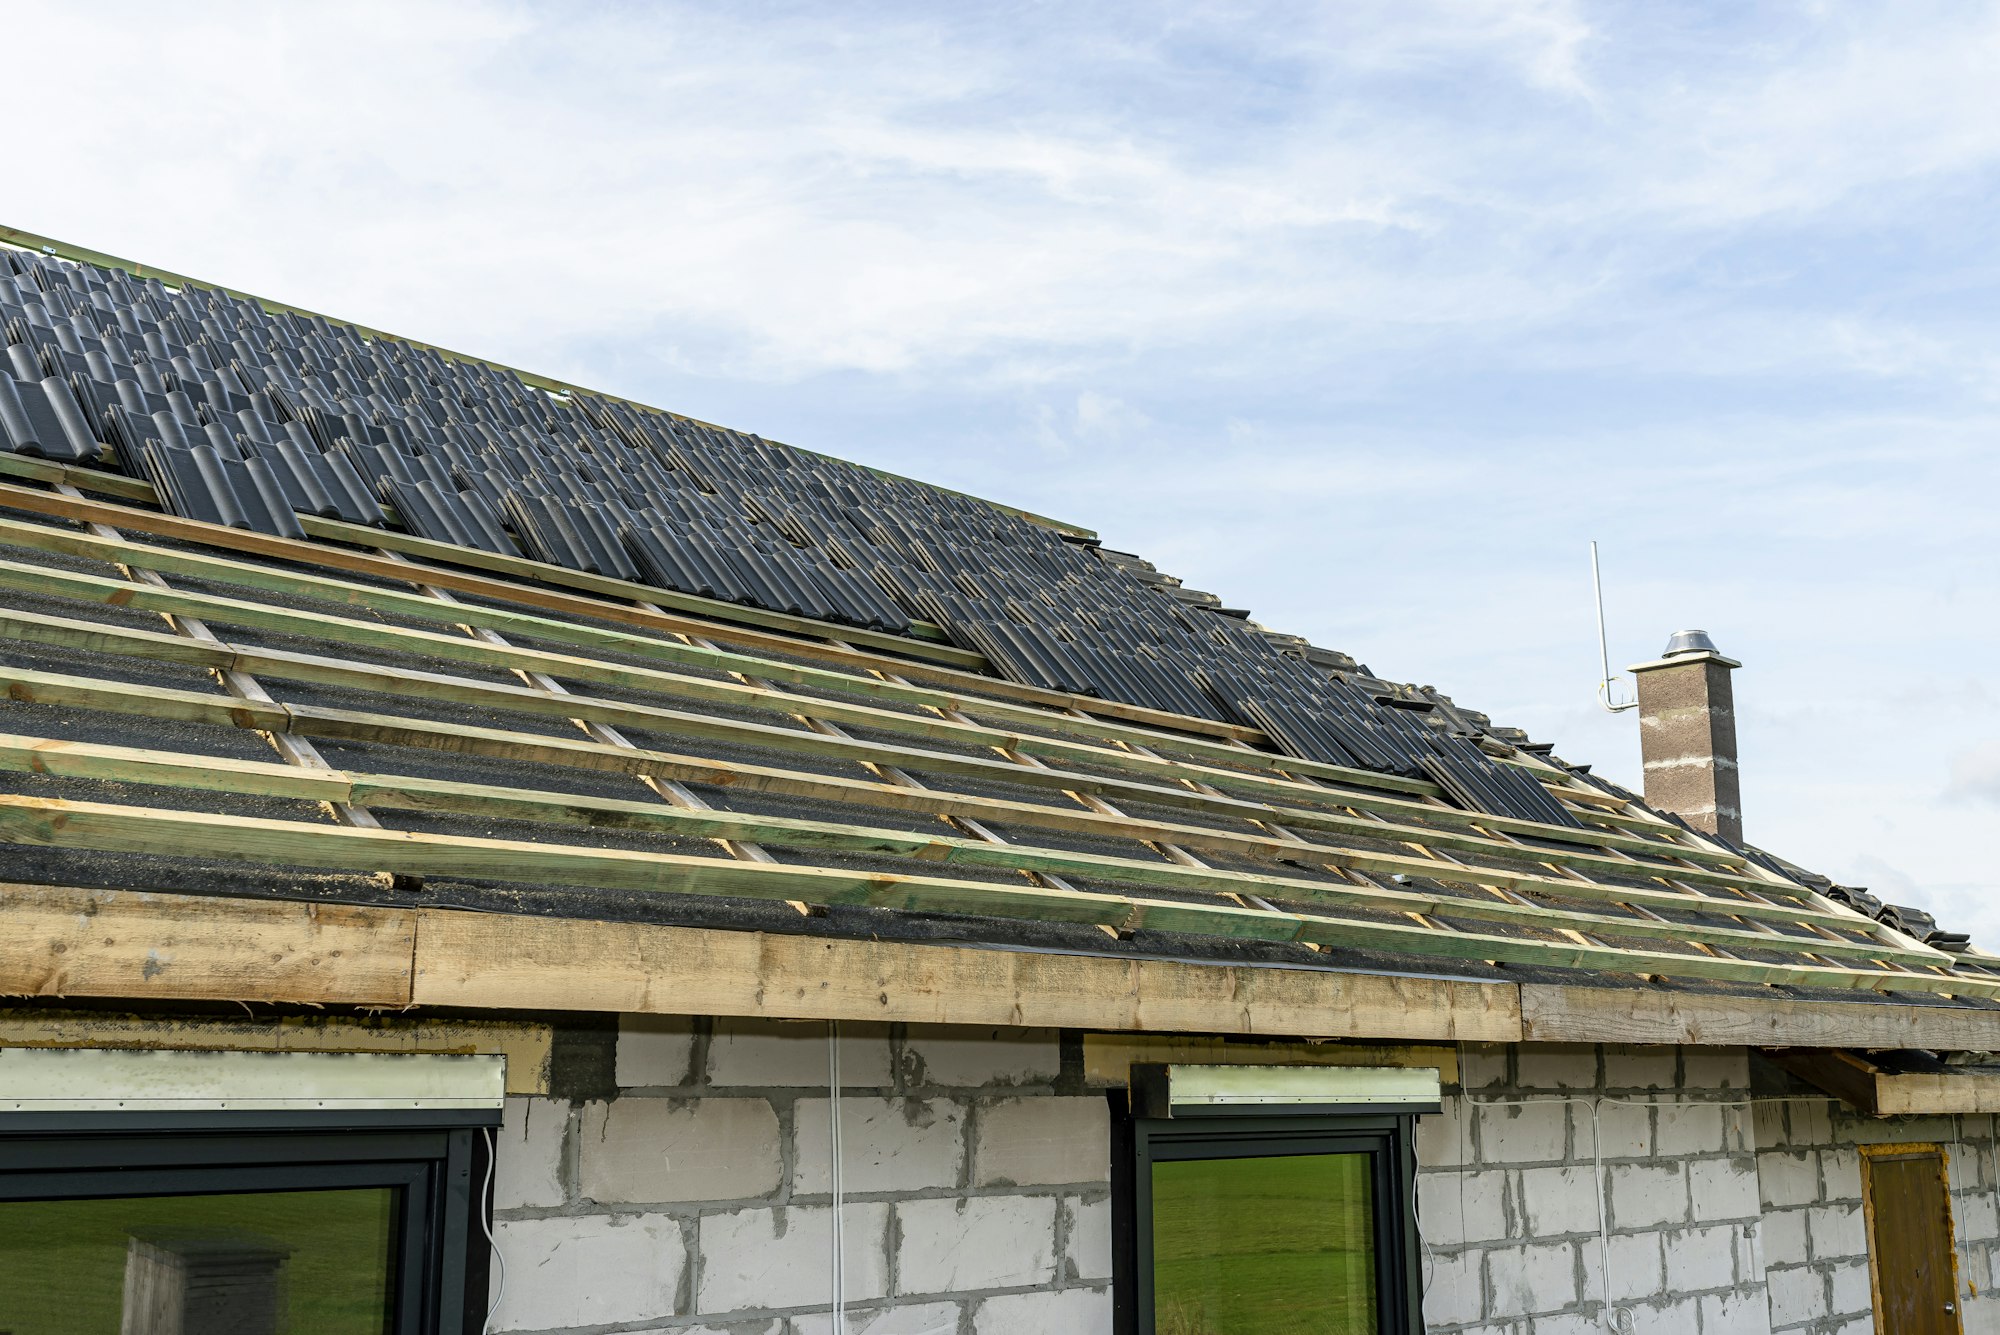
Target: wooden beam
<point x="63" y="942"/>
<point x="1568" y="1014"/>
<point x="1869" y="1088"/>
<point x="477" y="961"/>
<point x="158" y="947"/>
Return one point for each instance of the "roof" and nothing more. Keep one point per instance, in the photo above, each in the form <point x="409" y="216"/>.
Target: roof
<point x="292" y="608"/>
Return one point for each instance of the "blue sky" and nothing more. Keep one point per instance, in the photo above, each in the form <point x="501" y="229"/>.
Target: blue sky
<point x="1366" y="316"/>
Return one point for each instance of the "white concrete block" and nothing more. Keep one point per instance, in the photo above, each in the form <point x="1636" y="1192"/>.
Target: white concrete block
<point x="1782" y="1237"/>
<point x="977" y="1242"/>
<point x="1769" y="1129"/>
<point x="1851" y="1288"/>
<point x="660" y="1149"/>
<point x="1647" y="1195"/>
<point x="782" y="1257"/>
<point x="1457" y="1208"/>
<point x="1977" y="1219"/>
<point x="527" y="1166"/>
<point x="1443" y="1139"/>
<point x="1797" y="1295"/>
<point x="1745" y="1312"/>
<point x="1837" y="1231"/>
<point x="1538" y="1277"/>
<point x="1689" y="1128"/>
<point x="1715" y="1068"/>
<point x="1088" y="1251"/>
<point x="1451" y="1285"/>
<point x="1042" y="1141"/>
<point x="1724" y="1188"/>
<point x="774" y="1326"/>
<point x="654" y="1050"/>
<point x="1557" y="1066"/>
<point x="958" y="1056"/>
<point x="1568" y="1323"/>
<point x="1811" y="1122"/>
<point x="917" y="1319"/>
<point x="887" y="1144"/>
<point x="588" y="1271"/>
<point x="1638" y="1268"/>
<point x="776" y="1053"/>
<point x="1560" y="1200"/>
<point x="1787" y="1178"/>
<point x="1627" y="1132"/>
<point x="1068" y="1311"/>
<point x="1840" y="1174"/>
<point x="1629" y="1068"/>
<point x="1672" y="1316"/>
<point x="1981" y="1315"/>
<point x="1482" y="1066"/>
<point x="1700" y="1258"/>
<point x="1522" y="1132"/>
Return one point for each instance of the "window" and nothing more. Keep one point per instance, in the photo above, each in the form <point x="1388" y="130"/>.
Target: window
<point x="1234" y="1220"/>
<point x="132" y="1216"/>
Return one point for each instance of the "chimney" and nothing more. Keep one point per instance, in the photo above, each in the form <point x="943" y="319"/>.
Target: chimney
<point x="1687" y="734"/>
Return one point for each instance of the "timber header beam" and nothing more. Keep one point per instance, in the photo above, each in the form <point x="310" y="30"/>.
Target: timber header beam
<point x="133" y="946"/>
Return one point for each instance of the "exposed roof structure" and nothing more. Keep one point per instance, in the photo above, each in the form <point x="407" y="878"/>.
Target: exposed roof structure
<point x="291" y="607"/>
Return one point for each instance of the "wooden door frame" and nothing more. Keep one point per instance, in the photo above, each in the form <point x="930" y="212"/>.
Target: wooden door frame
<point x="1910" y="1149"/>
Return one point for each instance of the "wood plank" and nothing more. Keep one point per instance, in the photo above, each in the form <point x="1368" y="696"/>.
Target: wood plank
<point x="581" y="753"/>
<point x="107" y="827"/>
<point x="1868" y="1088"/>
<point x="117" y="764"/>
<point x="68" y="632"/>
<point x="490" y="963"/>
<point x="1568" y="1014"/>
<point x="107" y="943"/>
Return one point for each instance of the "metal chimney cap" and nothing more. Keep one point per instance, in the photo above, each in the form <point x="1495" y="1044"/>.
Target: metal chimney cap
<point x="1689" y="642"/>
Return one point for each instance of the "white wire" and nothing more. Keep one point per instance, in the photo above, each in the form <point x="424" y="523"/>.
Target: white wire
<point x="486" y="1227"/>
<point x="837" y="1308"/>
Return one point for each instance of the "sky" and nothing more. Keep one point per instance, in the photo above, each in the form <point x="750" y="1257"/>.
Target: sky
<point x="1368" y="317"/>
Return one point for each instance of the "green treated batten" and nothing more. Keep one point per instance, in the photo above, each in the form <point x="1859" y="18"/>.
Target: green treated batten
<point x="22" y="240"/>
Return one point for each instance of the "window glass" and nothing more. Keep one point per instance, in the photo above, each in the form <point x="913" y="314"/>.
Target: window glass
<point x="281" y="1263"/>
<point x="1264" y="1246"/>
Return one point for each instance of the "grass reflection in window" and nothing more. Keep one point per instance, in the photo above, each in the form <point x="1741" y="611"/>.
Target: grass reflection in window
<point x="1264" y="1246"/>
<point x="290" y="1263"/>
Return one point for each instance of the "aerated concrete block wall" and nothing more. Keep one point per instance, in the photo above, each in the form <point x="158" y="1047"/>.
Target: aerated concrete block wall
<point x="1815" y="1232"/>
<point x="1717" y="1218"/>
<point x="1509" y="1203"/>
<point x="698" y="1200"/>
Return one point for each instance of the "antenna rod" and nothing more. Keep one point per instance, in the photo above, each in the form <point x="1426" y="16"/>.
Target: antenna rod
<point x="1603" y="649"/>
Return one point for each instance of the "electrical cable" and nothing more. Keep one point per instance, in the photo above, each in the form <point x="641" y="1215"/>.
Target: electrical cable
<point x="486" y="1200"/>
<point x="837" y="1307"/>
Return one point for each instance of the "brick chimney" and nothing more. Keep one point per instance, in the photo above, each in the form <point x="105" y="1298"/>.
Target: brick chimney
<point x="1687" y="734"/>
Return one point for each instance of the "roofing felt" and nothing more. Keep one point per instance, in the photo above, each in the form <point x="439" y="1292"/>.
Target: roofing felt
<point x="515" y="638"/>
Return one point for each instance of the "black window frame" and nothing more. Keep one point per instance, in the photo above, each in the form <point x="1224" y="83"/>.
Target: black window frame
<point x="437" y="1160"/>
<point x="1250" y="1132"/>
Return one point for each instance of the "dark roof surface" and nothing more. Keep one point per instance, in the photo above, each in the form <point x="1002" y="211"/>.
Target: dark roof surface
<point x="475" y="616"/>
